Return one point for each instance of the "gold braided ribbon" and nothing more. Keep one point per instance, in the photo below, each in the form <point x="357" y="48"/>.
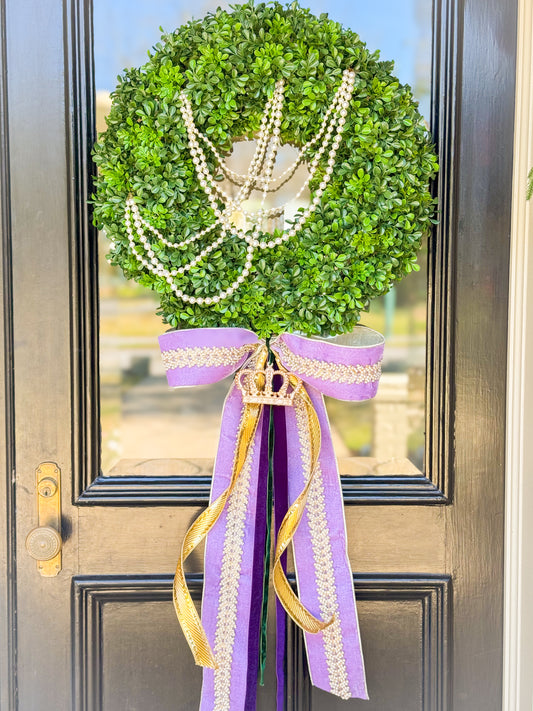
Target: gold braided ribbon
<point x="294" y="608"/>
<point x="183" y="603"/>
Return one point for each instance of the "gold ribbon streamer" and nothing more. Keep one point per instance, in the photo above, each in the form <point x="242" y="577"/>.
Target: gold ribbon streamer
<point x="294" y="608"/>
<point x="183" y="603"/>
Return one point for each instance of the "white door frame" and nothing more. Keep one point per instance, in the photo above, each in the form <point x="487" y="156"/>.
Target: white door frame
<point x="518" y="621"/>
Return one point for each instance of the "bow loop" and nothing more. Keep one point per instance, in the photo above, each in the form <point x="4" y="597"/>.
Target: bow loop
<point x="202" y="356"/>
<point x="345" y="367"/>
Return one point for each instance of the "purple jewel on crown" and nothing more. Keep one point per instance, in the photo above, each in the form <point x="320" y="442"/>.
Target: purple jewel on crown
<point x="257" y="386"/>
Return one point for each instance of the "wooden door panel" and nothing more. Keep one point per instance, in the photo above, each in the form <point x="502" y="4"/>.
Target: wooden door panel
<point x="127" y="655"/>
<point x="407" y="539"/>
<point x="126" y="649"/>
<point x="146" y="540"/>
<point x="126" y="540"/>
<point x="124" y="642"/>
<point x="403" y="622"/>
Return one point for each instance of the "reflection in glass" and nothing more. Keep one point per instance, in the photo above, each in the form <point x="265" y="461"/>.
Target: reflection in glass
<point x="148" y="428"/>
<point x="389" y="430"/>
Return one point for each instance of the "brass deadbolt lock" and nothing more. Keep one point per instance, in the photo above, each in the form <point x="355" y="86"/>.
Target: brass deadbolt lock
<point x="47" y="487"/>
<point x="44" y="542"/>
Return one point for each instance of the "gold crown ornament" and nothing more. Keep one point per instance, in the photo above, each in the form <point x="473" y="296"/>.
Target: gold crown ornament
<point x="256" y="386"/>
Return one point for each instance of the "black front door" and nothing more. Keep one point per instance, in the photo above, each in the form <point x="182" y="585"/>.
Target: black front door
<point x="426" y="546"/>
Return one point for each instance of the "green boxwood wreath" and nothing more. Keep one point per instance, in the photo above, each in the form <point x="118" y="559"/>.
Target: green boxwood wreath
<point x="366" y="232"/>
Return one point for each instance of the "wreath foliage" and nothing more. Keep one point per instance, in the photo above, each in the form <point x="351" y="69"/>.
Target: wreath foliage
<point x="365" y="233"/>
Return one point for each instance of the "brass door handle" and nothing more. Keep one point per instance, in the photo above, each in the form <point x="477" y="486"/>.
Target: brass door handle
<point x="44" y="542"/>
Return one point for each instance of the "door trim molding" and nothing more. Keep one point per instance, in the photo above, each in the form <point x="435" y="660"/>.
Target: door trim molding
<point x="518" y="619"/>
<point x="436" y="485"/>
<point x="195" y="490"/>
<point x="8" y="585"/>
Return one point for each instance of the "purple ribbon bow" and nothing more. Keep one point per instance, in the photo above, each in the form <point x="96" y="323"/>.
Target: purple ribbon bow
<point x="346" y="368"/>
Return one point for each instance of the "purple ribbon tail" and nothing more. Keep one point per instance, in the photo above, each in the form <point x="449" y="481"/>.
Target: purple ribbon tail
<point x="281" y="504"/>
<point x="228" y="612"/>
<point x="325" y="581"/>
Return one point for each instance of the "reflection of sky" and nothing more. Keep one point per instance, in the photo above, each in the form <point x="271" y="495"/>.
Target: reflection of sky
<point x="125" y="30"/>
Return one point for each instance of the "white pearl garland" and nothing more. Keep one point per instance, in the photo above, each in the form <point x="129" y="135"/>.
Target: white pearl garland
<point x="291" y="169"/>
<point x="272" y="117"/>
<point x="259" y="176"/>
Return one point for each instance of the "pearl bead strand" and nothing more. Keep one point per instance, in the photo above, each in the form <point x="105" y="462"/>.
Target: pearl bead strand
<point x="238" y="179"/>
<point x="272" y="111"/>
<point x="259" y="173"/>
<point x="341" y="99"/>
<point x="153" y="265"/>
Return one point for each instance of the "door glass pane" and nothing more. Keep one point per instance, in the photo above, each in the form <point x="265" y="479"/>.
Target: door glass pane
<point x="142" y="419"/>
